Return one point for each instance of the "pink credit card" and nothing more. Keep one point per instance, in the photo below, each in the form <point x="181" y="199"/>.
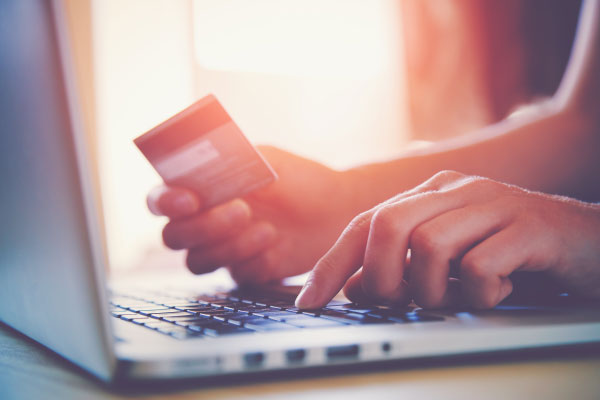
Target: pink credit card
<point x="202" y="149"/>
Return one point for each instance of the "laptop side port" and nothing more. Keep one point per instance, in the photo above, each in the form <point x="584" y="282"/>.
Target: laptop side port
<point x="295" y="356"/>
<point x="342" y="352"/>
<point x="254" y="359"/>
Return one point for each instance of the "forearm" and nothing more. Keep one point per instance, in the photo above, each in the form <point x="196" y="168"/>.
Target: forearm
<point x="554" y="151"/>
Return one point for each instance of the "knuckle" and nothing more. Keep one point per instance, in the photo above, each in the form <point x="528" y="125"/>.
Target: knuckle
<point x="484" y="185"/>
<point x="473" y="267"/>
<point x="359" y="222"/>
<point x="446" y="176"/>
<point x="385" y="223"/>
<point x="425" y="240"/>
<point x="475" y="182"/>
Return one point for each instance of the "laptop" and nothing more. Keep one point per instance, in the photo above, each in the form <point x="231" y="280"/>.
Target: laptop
<point x="53" y="286"/>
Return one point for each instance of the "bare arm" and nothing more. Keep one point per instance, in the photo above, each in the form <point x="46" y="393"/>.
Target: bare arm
<point x="284" y="229"/>
<point x="466" y="222"/>
<point x="552" y="149"/>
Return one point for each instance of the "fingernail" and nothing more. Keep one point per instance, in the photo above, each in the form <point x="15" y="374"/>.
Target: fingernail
<point x="306" y="297"/>
<point x="264" y="234"/>
<point x="237" y="209"/>
<point x="185" y="203"/>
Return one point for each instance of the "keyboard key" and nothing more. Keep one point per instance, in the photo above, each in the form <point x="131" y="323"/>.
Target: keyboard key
<point x="297" y="317"/>
<point x="417" y="317"/>
<point x="141" y="321"/>
<point x="118" y="312"/>
<point x="374" y="315"/>
<point x="405" y="314"/>
<point x="268" y="325"/>
<point x="235" y="306"/>
<point x="158" y="324"/>
<point x="177" y="313"/>
<point x="390" y="312"/>
<point x="171" y="313"/>
<point x="343" y="317"/>
<point x="226" y="315"/>
<point x="191" y="306"/>
<point x="354" y="308"/>
<point x="314" y="323"/>
<point x="200" y="325"/>
<point x="277" y="315"/>
<point x="188" y="317"/>
<point x="293" y="309"/>
<point x="154" y="311"/>
<point x="131" y="303"/>
<point x="312" y="313"/>
<point x="130" y="316"/>
<point x="213" y="312"/>
<point x="235" y="322"/>
<point x="147" y="307"/>
<point x="251" y="308"/>
<point x="243" y="319"/>
<point x="352" y="319"/>
<point x="181" y="333"/>
<point x="280" y="305"/>
<point x="225" y="330"/>
<point x="223" y="302"/>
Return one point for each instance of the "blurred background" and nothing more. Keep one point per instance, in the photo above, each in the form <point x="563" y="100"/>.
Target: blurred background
<point x="344" y="82"/>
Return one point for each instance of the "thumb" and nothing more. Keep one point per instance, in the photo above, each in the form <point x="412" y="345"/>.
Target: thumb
<point x="172" y="202"/>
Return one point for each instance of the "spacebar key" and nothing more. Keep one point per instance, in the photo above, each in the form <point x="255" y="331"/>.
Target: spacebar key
<point x="267" y="325"/>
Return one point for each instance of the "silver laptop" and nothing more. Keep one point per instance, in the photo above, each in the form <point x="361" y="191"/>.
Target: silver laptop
<point x="52" y="263"/>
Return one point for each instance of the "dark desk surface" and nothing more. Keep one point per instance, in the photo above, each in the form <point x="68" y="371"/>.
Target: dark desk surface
<point x="30" y="372"/>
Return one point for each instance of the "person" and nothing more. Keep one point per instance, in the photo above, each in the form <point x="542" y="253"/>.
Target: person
<point x="456" y="238"/>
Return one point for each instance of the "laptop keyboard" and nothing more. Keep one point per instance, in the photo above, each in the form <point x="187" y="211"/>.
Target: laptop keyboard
<point x="222" y="314"/>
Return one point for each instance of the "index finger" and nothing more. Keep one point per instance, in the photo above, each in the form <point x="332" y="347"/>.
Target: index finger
<point x="172" y="202"/>
<point x="337" y="265"/>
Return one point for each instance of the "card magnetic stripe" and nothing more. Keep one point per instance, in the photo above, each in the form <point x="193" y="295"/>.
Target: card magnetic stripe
<point x="186" y="127"/>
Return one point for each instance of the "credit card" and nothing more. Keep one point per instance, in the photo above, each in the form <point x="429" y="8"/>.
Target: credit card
<point x="202" y="149"/>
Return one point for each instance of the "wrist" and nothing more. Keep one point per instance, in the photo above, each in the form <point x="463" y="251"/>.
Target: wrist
<point x="364" y="188"/>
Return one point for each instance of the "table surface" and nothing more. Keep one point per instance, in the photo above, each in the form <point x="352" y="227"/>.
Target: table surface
<point x="28" y="371"/>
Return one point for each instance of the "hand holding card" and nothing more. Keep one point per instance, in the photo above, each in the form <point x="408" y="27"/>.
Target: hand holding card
<point x="280" y="231"/>
<point x="202" y="149"/>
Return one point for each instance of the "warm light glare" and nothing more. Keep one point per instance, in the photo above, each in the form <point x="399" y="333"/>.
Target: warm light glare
<point x="319" y="78"/>
<point x="312" y="37"/>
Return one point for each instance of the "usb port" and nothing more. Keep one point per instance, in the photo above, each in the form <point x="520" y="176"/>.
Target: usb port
<point x="336" y="352"/>
<point x="254" y="359"/>
<point x="295" y="356"/>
